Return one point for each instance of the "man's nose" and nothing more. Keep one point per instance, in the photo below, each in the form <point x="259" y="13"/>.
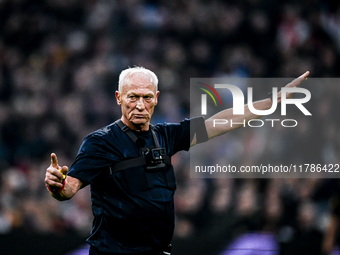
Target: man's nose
<point x="140" y="104"/>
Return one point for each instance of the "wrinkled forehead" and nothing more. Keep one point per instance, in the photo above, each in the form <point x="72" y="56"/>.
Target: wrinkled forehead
<point x="138" y="80"/>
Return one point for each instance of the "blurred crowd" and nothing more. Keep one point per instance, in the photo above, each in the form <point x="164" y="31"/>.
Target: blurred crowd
<point x="59" y="67"/>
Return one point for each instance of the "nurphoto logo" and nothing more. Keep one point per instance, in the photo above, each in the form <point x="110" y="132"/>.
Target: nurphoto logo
<point x="239" y="102"/>
<point x="204" y="97"/>
<point x="238" y="99"/>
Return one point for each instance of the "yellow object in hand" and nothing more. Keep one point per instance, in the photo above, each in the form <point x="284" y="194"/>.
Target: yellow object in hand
<point x="64" y="175"/>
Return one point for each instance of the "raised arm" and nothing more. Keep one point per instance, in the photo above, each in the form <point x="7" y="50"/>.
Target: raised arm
<point x="248" y="115"/>
<point x="61" y="186"/>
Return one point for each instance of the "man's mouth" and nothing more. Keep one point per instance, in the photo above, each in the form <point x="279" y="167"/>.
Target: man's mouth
<point x="139" y="115"/>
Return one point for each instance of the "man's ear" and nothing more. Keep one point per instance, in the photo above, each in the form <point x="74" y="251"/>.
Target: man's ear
<point x="157" y="94"/>
<point x="118" y="97"/>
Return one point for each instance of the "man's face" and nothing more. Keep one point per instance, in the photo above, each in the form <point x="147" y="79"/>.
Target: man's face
<point x="137" y="99"/>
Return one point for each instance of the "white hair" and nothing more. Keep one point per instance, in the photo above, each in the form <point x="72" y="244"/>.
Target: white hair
<point x="124" y="76"/>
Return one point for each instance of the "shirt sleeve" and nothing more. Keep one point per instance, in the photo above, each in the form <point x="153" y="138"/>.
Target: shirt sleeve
<point x="178" y="135"/>
<point x="93" y="156"/>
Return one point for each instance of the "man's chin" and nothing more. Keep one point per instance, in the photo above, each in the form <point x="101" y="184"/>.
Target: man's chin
<point x="139" y="122"/>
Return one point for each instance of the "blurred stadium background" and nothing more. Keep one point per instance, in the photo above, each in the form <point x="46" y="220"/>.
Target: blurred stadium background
<point x="59" y="67"/>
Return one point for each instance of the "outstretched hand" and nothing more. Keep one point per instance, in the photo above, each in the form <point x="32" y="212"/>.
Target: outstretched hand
<point x="55" y="174"/>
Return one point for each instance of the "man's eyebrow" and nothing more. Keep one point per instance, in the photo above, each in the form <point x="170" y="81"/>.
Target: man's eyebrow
<point x="137" y="93"/>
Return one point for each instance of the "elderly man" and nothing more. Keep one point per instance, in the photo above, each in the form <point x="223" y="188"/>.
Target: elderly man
<point x="128" y="166"/>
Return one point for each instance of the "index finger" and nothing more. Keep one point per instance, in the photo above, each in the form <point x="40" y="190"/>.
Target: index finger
<point x="54" y="160"/>
<point x="305" y="75"/>
<point x="296" y="82"/>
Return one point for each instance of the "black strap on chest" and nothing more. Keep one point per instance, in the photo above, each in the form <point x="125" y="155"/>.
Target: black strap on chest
<point x="141" y="144"/>
<point x="139" y="141"/>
